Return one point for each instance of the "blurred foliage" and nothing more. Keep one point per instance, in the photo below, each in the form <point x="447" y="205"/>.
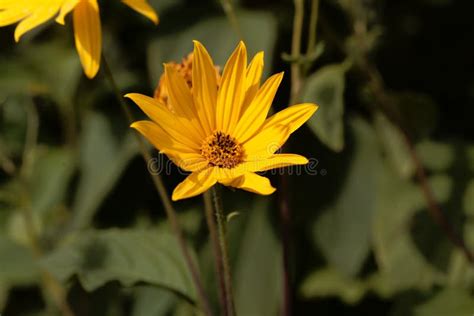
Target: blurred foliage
<point x="363" y="240"/>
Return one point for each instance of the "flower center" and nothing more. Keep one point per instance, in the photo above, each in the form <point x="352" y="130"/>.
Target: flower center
<point x="222" y="150"/>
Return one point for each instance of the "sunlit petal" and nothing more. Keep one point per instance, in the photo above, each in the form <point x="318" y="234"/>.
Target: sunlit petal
<point x="88" y="35"/>
<point x="195" y="184"/>
<point x="204" y="87"/>
<point x="257" y="111"/>
<point x="232" y="90"/>
<point x="66" y="7"/>
<point x="144" y="8"/>
<point x="40" y="15"/>
<point x="253" y="77"/>
<point x="251" y="182"/>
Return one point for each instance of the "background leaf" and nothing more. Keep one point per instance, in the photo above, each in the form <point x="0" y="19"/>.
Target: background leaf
<point x="98" y="257"/>
<point x="258" y="281"/>
<point x="326" y="88"/>
<point x="342" y="232"/>
<point x="103" y="158"/>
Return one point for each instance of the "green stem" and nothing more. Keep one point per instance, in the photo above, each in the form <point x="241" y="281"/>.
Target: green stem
<point x="232" y="16"/>
<point x="313" y="24"/>
<point x="296" y="50"/>
<point x="49" y="285"/>
<point x="161" y="189"/>
<point x="211" y="224"/>
<point x="222" y="236"/>
<point x="284" y="205"/>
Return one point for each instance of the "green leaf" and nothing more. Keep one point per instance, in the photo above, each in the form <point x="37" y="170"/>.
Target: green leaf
<point x="436" y="156"/>
<point x="401" y="265"/>
<point x="394" y="145"/>
<point x="152" y="301"/>
<point x="330" y="282"/>
<point x="128" y="256"/>
<point x="219" y="38"/>
<point x="18" y="265"/>
<point x="342" y="232"/>
<point x="51" y="174"/>
<point x="452" y="302"/>
<point x="52" y="170"/>
<point x="258" y="269"/>
<point x="326" y="88"/>
<point x="103" y="158"/>
<point x="468" y="200"/>
<point x="52" y="68"/>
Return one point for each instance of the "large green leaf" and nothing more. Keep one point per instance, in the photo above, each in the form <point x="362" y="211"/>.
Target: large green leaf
<point x="326" y="88"/>
<point x="51" y="174"/>
<point x="342" y="232"/>
<point x="103" y="158"/>
<point x="330" y="282"/>
<point x="395" y="146"/>
<point x="436" y="156"/>
<point x="17" y="267"/>
<point x="258" y="269"/>
<point x="46" y="191"/>
<point x="17" y="264"/>
<point x="127" y="256"/>
<point x="52" y="68"/>
<point x="449" y="302"/>
<point x="219" y="38"/>
<point x="152" y="301"/>
<point x="401" y="264"/>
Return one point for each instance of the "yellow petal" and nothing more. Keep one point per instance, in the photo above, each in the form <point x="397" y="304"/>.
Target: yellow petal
<point x="251" y="182"/>
<point x="266" y="142"/>
<point x="160" y="114"/>
<point x="88" y="35"/>
<point x="9" y="4"/>
<point x="275" y="161"/>
<point x="66" y="7"/>
<point x="13" y="13"/>
<point x="253" y="76"/>
<point x="196" y="183"/>
<point x="181" y="155"/>
<point x="41" y="14"/>
<point x="257" y="111"/>
<point x="181" y="100"/>
<point x="293" y="116"/>
<point x="142" y="7"/>
<point x="232" y="90"/>
<point x="204" y="87"/>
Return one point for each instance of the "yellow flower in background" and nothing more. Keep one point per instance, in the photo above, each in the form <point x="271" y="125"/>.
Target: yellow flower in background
<point x="86" y="20"/>
<point x="185" y="69"/>
<point x="221" y="133"/>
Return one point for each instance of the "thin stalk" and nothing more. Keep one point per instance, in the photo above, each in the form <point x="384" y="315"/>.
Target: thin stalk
<point x="232" y="16"/>
<point x="313" y="24"/>
<point x="211" y="224"/>
<point x="222" y="236"/>
<point x="50" y="286"/>
<point x="284" y="205"/>
<point x="161" y="189"/>
<point x="296" y="50"/>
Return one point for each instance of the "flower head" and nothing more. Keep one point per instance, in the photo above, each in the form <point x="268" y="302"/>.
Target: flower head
<point x="221" y="133"/>
<point x="86" y="20"/>
<point x="185" y="69"/>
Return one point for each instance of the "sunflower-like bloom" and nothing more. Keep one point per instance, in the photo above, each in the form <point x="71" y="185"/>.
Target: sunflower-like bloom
<point x="185" y="69"/>
<point x="86" y="20"/>
<point x="221" y="133"/>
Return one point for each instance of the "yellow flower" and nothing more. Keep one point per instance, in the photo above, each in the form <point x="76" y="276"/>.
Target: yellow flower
<point x="185" y="69"/>
<point x="86" y="20"/>
<point x="221" y="134"/>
